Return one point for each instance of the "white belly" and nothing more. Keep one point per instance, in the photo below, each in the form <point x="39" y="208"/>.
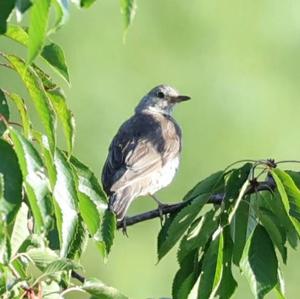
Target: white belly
<point x="163" y="177"/>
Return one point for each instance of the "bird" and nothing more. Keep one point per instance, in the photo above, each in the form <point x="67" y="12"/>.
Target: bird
<point x="144" y="155"/>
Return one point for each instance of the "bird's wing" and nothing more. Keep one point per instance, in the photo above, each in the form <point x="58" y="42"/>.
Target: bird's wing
<point x="138" y="150"/>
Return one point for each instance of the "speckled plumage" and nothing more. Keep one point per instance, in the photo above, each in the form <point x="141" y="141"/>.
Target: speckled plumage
<point x="144" y="155"/>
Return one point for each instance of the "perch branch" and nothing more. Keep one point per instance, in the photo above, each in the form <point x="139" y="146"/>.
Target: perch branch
<point x="268" y="185"/>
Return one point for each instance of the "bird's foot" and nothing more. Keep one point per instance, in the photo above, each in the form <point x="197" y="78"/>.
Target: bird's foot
<point x="161" y="207"/>
<point x="124" y="227"/>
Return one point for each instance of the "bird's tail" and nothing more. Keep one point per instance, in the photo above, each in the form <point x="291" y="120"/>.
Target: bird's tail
<point x="119" y="203"/>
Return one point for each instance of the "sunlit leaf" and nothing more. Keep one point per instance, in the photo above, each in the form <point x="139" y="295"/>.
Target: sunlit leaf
<point x="39" y="14"/>
<point x="259" y="262"/>
<point x="42" y="257"/>
<point x="64" y="114"/>
<point x="20" y="104"/>
<point x="4" y="112"/>
<point x="128" y="10"/>
<point x="6" y="7"/>
<point x="12" y="177"/>
<point x="54" y="55"/>
<point x="212" y="268"/>
<point x="62" y="13"/>
<point x="20" y="231"/>
<point x="60" y="265"/>
<point x="99" y="290"/>
<point x="35" y="180"/>
<point x="38" y="96"/>
<point x="67" y="200"/>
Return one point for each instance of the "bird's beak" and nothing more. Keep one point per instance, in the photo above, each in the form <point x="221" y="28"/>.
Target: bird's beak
<point x="180" y="98"/>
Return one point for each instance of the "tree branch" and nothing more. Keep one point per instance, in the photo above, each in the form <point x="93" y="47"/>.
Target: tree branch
<point x="267" y="185"/>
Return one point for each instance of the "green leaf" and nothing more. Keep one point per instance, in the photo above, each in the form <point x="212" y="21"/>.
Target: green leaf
<point x="65" y="115"/>
<point x="128" y="10"/>
<point x="62" y="13"/>
<point x="290" y="196"/>
<point x="6" y="8"/>
<point x="55" y="57"/>
<point x="89" y="185"/>
<point x="186" y="276"/>
<point x="17" y="33"/>
<point x="20" y="231"/>
<point x="228" y="284"/>
<point x="4" y="112"/>
<point x="59" y="266"/>
<point x="42" y="257"/>
<point x="21" y="7"/>
<point x="273" y="226"/>
<point x="86" y="3"/>
<point x="20" y="104"/>
<point x="35" y="180"/>
<point x="259" y="263"/>
<point x="99" y="290"/>
<point x="198" y="235"/>
<point x="51" y="290"/>
<point x="38" y="96"/>
<point x="292" y="192"/>
<point x="66" y="197"/>
<point x="236" y="181"/>
<point x="11" y="174"/>
<point x="180" y="223"/>
<point x="240" y="230"/>
<point x="39" y="15"/>
<point x="212" y="268"/>
<point x="108" y="228"/>
<point x="212" y="184"/>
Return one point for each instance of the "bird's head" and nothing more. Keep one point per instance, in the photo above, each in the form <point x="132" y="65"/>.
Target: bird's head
<point x="161" y="99"/>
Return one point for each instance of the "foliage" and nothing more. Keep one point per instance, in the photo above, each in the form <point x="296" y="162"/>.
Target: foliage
<point x="51" y="203"/>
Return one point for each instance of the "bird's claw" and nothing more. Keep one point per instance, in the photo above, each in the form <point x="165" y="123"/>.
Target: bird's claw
<point x="124" y="227"/>
<point x="161" y="212"/>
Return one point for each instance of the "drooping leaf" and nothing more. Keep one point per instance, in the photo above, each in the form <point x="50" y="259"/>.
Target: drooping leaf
<point x="198" y="235"/>
<point x="4" y="112"/>
<point x="280" y="287"/>
<point x="290" y="196"/>
<point x="276" y="232"/>
<point x="212" y="268"/>
<point x="38" y="96"/>
<point x="51" y="289"/>
<point x="108" y="229"/>
<point x="64" y="114"/>
<point x="186" y="276"/>
<point x="86" y="3"/>
<point x="228" y="284"/>
<point x="98" y="289"/>
<point x="89" y="185"/>
<point x="20" y="231"/>
<point x="180" y="223"/>
<point x="35" y="180"/>
<point x="39" y="15"/>
<point x="20" y="104"/>
<point x="6" y="8"/>
<point x="12" y="178"/>
<point x="259" y="263"/>
<point x="66" y="197"/>
<point x="54" y="55"/>
<point x="128" y="10"/>
<point x="21" y="7"/>
<point x="62" y="13"/>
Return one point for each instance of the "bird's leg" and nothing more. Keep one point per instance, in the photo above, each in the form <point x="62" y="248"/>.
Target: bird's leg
<point x="124" y="227"/>
<point x="160" y="207"/>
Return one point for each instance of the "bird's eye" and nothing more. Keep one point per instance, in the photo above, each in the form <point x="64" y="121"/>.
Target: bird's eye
<point x="160" y="94"/>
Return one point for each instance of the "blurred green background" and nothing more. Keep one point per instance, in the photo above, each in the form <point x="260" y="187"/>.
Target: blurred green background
<point x="240" y="63"/>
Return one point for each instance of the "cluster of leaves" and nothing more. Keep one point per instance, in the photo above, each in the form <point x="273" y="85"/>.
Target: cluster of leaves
<point x="247" y="231"/>
<point x="50" y="202"/>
